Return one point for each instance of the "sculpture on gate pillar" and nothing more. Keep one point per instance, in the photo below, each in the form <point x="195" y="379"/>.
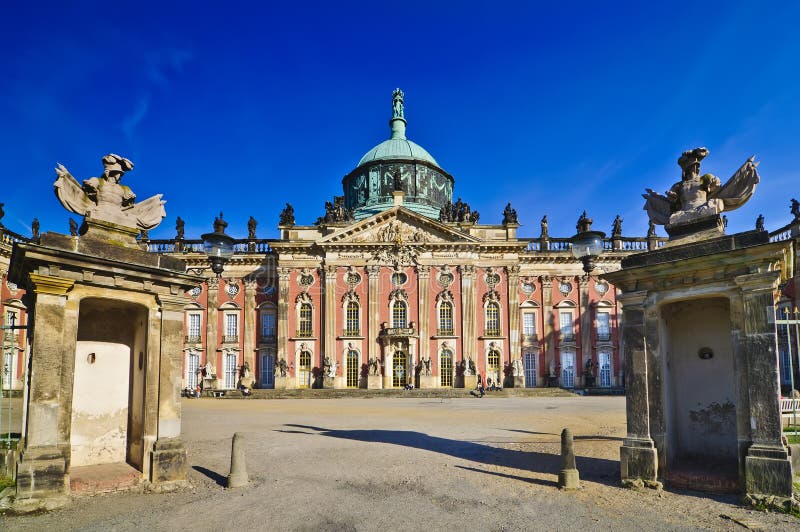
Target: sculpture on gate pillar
<point x="104" y="198"/>
<point x="697" y="197"/>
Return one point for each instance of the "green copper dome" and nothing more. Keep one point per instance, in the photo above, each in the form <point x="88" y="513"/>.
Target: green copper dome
<point x="397" y="164"/>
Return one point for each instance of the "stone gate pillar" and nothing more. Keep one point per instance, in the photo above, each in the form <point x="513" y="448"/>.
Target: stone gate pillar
<point x="638" y="455"/>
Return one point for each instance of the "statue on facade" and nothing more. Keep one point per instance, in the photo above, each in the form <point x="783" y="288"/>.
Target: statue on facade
<point x="73" y="227"/>
<point x="287" y="216"/>
<point x="651" y="229"/>
<point x="516" y="367"/>
<point x="2" y="213"/>
<point x="103" y="198"/>
<point x="246" y="379"/>
<point x="281" y="368"/>
<point x="760" y="223"/>
<point x="698" y="196"/>
<point x="251" y="228"/>
<point x="459" y="211"/>
<point x="35" y="229"/>
<point x="179" y="228"/>
<point x="616" y="229"/>
<point x="336" y="212"/>
<point x="584" y="223"/>
<point x="544" y="233"/>
<point x="795" y="210"/>
<point x="510" y="215"/>
<point x="426" y="366"/>
<point x="397" y="103"/>
<point x="374" y="366"/>
<point x="470" y="370"/>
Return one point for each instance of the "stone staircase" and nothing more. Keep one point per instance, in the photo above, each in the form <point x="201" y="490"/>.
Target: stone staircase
<point x="453" y="393"/>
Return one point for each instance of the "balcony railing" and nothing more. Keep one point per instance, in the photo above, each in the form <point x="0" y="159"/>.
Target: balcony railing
<point x="351" y="332"/>
<point x="267" y="338"/>
<point x="193" y="339"/>
<point x="230" y="339"/>
<point x="567" y="337"/>
<point x="491" y="332"/>
<point x="530" y="336"/>
<point x="604" y="336"/>
<point x="305" y="333"/>
<point x="397" y="331"/>
<point x="445" y="332"/>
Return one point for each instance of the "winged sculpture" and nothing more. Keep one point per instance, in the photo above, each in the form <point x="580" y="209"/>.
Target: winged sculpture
<point x="104" y="198"/>
<point x="697" y="196"/>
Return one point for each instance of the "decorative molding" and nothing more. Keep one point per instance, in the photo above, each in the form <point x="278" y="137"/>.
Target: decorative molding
<point x="398" y="293"/>
<point x="445" y="295"/>
<point x="303" y="297"/>
<point x="45" y="284"/>
<point x="491" y="295"/>
<point x="445" y="277"/>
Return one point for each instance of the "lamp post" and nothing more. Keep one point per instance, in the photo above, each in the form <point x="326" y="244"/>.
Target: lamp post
<point x="218" y="247"/>
<point x="587" y="244"/>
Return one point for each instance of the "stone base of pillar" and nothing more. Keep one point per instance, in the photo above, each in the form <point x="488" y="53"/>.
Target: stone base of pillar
<point x="518" y="382"/>
<point x="280" y="383"/>
<point x="470" y="382"/>
<point x="168" y="461"/>
<point x="638" y="460"/>
<point x="327" y="383"/>
<point x="428" y="381"/>
<point x="42" y="476"/>
<point x="387" y="382"/>
<point x="374" y="382"/>
<point x="768" y="471"/>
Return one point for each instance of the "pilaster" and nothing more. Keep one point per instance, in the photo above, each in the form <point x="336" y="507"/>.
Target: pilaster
<point x="250" y="329"/>
<point x="283" y="313"/>
<point x="513" y="312"/>
<point x="468" y="317"/>
<point x="548" y="334"/>
<point x="329" y="349"/>
<point x="423" y="287"/>
<point x="373" y="302"/>
<point x="585" y="313"/>
<point x="212" y="284"/>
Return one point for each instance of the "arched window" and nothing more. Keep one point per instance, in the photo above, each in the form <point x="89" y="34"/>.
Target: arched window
<point x="351" y="325"/>
<point x="492" y="319"/>
<point x="305" y="324"/>
<point x="399" y="314"/>
<point x="446" y="368"/>
<point x="445" y="319"/>
<point x="352" y="368"/>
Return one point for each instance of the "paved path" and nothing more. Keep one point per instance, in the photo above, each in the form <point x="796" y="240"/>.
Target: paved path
<point x="388" y="464"/>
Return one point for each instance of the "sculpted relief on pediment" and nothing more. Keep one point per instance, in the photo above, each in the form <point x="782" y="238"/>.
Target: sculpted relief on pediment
<point x="395" y="232"/>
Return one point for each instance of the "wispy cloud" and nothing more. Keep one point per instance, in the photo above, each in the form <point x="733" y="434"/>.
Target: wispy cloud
<point x="130" y="122"/>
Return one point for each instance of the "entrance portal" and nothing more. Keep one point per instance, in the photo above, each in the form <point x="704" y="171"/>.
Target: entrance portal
<point x="399" y="369"/>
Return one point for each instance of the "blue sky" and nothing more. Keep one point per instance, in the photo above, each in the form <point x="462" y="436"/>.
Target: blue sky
<point x="240" y="107"/>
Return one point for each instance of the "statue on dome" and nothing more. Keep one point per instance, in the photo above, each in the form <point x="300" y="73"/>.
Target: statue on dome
<point x="397" y="103"/>
<point x="103" y="198"/>
<point x="698" y="196"/>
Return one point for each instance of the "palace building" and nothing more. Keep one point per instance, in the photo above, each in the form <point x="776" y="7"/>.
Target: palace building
<point x="395" y="284"/>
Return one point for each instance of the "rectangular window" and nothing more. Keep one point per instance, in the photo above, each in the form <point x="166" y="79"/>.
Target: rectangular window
<point x="446" y="319"/>
<point x="305" y="329"/>
<point x="529" y="324"/>
<point x="352" y="326"/>
<point x="492" y="319"/>
<point x="268" y="325"/>
<point x="565" y="325"/>
<point x="231" y="328"/>
<point x="603" y="326"/>
<point x="193" y="328"/>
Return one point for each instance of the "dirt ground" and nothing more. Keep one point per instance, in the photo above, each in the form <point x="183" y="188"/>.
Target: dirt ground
<point x="404" y="463"/>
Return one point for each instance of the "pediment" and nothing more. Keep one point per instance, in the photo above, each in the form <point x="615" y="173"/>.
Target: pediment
<point x="397" y="225"/>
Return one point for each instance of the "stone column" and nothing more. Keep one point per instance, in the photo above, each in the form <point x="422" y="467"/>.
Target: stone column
<point x="513" y="313"/>
<point x="767" y="467"/>
<point x="283" y="313"/>
<point x="212" y="340"/>
<point x="548" y="334"/>
<point x="168" y="459"/>
<point x="468" y="318"/>
<point x="638" y="456"/>
<point x="329" y="346"/>
<point x="585" y="313"/>
<point x="250" y="326"/>
<point x="423" y="286"/>
<point x="41" y="470"/>
<point x="373" y="316"/>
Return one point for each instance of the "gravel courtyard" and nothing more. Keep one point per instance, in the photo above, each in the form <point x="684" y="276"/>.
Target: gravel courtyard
<point x="404" y="463"/>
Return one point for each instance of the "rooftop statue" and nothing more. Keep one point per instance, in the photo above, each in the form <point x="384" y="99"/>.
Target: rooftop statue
<point x="697" y="196"/>
<point x="103" y="198"/>
<point x="397" y="104"/>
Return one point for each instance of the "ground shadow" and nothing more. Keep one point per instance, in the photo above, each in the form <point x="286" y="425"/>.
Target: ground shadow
<point x="592" y="469"/>
<point x="542" y="482"/>
<point x="589" y="437"/>
<point x="222" y="480"/>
